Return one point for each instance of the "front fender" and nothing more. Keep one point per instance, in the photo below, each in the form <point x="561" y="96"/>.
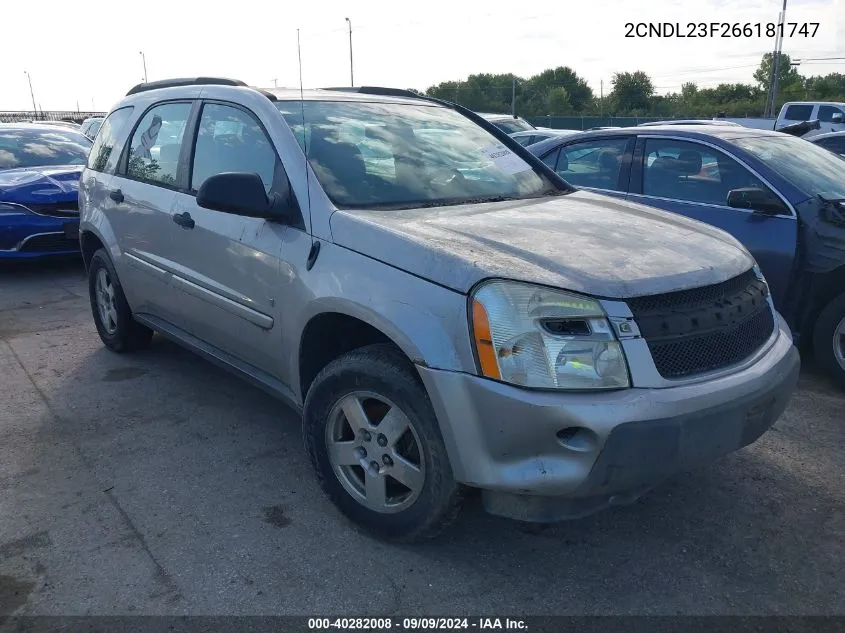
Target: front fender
<point x="426" y="321"/>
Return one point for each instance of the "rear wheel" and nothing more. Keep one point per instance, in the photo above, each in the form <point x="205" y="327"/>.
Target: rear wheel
<point x="118" y="330"/>
<point x="375" y="443"/>
<point x="829" y="339"/>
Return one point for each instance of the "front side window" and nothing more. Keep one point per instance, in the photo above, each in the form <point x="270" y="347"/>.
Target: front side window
<point x="103" y="146"/>
<point x="693" y="172"/>
<point x="813" y="169"/>
<point x="394" y="155"/>
<point x="155" y="145"/>
<point x="798" y="113"/>
<point x="595" y="163"/>
<point x="826" y="113"/>
<point x="230" y="140"/>
<point x="31" y="146"/>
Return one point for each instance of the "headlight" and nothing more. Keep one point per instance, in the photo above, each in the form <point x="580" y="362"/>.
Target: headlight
<point x="9" y="208"/>
<point x="539" y="337"/>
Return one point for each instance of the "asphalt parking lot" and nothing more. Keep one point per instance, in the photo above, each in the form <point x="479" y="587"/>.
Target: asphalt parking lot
<point x="157" y="483"/>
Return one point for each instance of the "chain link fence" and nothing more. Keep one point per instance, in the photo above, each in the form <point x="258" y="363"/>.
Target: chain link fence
<point x="587" y="122"/>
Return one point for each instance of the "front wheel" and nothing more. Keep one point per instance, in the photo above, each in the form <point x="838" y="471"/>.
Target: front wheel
<point x="829" y="339"/>
<point x="376" y="446"/>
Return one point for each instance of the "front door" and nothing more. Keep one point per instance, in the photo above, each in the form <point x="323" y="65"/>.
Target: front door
<point x="233" y="271"/>
<point x="694" y="179"/>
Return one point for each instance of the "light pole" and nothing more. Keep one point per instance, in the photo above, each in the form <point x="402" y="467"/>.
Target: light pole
<point x="351" y="75"/>
<point x="144" y="60"/>
<point x="773" y="87"/>
<point x="31" y="94"/>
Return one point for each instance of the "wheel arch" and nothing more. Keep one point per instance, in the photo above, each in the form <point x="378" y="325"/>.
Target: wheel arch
<point x="334" y="327"/>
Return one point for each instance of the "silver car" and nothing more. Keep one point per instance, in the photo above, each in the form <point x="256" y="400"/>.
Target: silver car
<point x="445" y="311"/>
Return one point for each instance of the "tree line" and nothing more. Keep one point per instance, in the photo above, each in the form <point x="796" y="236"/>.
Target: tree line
<point x="560" y="92"/>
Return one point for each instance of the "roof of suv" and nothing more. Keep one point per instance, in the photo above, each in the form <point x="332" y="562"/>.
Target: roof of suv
<point x="361" y="93"/>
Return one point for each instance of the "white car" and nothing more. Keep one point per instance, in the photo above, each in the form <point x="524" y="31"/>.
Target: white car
<point x="831" y="115"/>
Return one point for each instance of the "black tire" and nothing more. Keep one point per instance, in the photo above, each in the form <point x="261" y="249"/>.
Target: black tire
<point x="826" y="325"/>
<point x="384" y="371"/>
<point x="128" y="335"/>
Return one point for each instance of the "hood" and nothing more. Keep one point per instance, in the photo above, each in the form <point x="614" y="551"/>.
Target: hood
<point x="582" y="242"/>
<point x="40" y="185"/>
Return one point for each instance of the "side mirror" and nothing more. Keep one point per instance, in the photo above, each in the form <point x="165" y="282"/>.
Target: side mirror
<point x="237" y="193"/>
<point x="760" y="201"/>
<point x="837" y="118"/>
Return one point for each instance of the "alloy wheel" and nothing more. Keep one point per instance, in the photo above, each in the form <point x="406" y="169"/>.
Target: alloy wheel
<point x="375" y="452"/>
<point x="104" y="289"/>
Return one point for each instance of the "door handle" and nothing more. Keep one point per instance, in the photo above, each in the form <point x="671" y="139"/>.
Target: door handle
<point x="184" y="220"/>
<point x="116" y="195"/>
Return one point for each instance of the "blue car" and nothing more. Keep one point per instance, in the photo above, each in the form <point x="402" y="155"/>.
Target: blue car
<point x="40" y="167"/>
<point x="781" y="196"/>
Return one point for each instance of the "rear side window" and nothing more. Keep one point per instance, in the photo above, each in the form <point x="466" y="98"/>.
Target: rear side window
<point x="798" y="113"/>
<point x="111" y="130"/>
<point x="826" y="113"/>
<point x="156" y="143"/>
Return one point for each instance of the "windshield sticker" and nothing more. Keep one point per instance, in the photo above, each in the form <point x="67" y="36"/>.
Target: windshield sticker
<point x="505" y="159"/>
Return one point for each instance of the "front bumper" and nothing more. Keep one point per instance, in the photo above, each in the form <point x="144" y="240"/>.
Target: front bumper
<point x="508" y="441"/>
<point x="28" y="236"/>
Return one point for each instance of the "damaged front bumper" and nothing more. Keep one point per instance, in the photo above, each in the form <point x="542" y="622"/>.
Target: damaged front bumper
<point x="547" y="456"/>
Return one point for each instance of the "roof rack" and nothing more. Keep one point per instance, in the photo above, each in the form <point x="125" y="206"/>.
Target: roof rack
<point x="188" y="81"/>
<point x="384" y="92"/>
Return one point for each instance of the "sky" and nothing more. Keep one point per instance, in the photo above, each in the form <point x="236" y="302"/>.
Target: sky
<point x="88" y="53"/>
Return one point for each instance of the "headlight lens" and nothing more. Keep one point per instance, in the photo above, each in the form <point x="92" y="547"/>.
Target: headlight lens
<point x="539" y="337"/>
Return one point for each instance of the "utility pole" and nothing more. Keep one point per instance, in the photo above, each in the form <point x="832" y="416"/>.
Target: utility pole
<point x="351" y="74"/>
<point x="144" y="60"/>
<point x="31" y="94"/>
<point x="601" y="98"/>
<point x="773" y="84"/>
<point x="513" y="97"/>
<point x="275" y="83"/>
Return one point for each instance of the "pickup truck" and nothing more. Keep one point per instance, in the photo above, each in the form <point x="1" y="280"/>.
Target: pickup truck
<point x="779" y="195"/>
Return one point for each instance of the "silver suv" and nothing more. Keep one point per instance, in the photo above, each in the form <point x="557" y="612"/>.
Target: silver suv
<point x="444" y="310"/>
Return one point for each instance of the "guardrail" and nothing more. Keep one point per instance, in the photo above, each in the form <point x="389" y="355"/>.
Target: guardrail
<point x="12" y="116"/>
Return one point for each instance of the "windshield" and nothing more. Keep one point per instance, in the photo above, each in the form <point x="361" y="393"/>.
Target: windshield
<point x="34" y="147"/>
<point x="814" y="170"/>
<point x="509" y="126"/>
<point x="369" y="155"/>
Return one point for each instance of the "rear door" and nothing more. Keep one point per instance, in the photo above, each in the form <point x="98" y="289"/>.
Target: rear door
<point x="234" y="272"/>
<point x="139" y="206"/>
<point x="693" y="178"/>
<point x="600" y="164"/>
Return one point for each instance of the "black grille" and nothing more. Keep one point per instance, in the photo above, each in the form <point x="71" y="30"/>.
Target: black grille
<point x="50" y="243"/>
<point x="704" y="329"/>
<point x="705" y="294"/>
<point x="57" y="209"/>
